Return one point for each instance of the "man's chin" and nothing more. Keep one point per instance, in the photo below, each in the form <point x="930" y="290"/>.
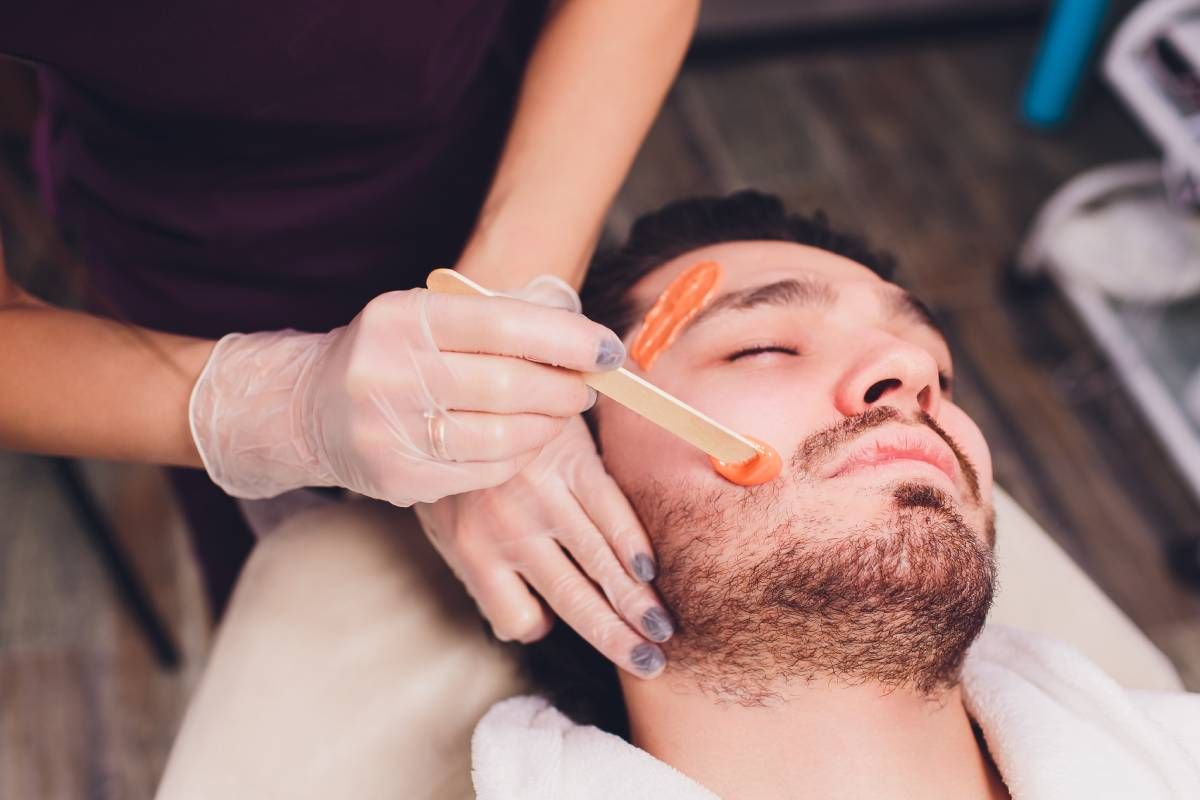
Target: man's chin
<point x="898" y="504"/>
<point x="892" y="595"/>
<point x="918" y="496"/>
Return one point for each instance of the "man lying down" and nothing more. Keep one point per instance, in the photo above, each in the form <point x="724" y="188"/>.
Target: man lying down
<point x="828" y="624"/>
<point x="830" y="635"/>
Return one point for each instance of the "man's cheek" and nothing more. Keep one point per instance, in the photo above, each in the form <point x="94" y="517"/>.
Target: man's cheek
<point x="758" y="406"/>
<point x="636" y="451"/>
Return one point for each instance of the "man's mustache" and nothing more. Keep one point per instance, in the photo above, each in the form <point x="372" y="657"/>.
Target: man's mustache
<point x="824" y="444"/>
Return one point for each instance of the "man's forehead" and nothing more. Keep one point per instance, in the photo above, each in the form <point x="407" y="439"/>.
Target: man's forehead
<point x="753" y="263"/>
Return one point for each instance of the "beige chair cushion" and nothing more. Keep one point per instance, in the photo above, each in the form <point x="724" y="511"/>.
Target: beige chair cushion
<point x="1042" y="589"/>
<point x="350" y="664"/>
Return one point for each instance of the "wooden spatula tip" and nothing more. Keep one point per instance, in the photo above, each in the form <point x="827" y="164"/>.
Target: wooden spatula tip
<point x="765" y="465"/>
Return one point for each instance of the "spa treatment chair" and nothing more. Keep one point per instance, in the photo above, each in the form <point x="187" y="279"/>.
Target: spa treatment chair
<point x="351" y="663"/>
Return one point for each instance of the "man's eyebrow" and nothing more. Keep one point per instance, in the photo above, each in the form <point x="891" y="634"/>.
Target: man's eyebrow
<point x="905" y="305"/>
<point x="813" y="292"/>
<point x="810" y="292"/>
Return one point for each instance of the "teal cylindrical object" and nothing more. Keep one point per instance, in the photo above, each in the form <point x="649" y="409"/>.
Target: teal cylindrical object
<point x="1065" y="52"/>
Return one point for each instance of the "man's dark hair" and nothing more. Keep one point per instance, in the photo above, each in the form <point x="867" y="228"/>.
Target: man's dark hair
<point x="564" y="667"/>
<point x="695" y="222"/>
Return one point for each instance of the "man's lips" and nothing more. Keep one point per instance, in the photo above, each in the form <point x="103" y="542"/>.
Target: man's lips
<point x="895" y="444"/>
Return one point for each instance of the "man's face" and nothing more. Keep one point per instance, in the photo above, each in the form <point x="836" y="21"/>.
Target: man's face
<point x="883" y="475"/>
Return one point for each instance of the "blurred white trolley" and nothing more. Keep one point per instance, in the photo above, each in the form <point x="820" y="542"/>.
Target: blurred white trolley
<point x="1122" y="241"/>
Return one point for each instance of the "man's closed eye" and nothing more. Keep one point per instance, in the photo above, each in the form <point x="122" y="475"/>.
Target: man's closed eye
<point x="749" y="352"/>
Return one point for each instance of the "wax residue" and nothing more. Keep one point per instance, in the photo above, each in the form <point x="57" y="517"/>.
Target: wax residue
<point x="680" y="301"/>
<point x="755" y="470"/>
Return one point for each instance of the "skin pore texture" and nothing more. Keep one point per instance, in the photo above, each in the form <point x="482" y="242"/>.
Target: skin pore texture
<point x="822" y="617"/>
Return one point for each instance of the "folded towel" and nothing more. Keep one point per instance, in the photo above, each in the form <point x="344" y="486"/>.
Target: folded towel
<point x="525" y="748"/>
<point x="1056" y="725"/>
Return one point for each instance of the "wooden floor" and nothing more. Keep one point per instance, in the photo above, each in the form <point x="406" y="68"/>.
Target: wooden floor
<point x="914" y="143"/>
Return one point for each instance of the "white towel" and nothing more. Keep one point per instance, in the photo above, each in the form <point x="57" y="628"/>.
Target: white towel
<point x="1056" y="725"/>
<point x="525" y="748"/>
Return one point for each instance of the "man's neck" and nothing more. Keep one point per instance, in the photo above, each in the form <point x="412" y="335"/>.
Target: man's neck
<point x="821" y="741"/>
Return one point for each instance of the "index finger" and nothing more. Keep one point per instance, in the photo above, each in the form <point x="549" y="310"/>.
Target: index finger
<point x="508" y="327"/>
<point x="613" y="515"/>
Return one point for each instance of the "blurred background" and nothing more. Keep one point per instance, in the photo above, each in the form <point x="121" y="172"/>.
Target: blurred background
<point x="940" y="128"/>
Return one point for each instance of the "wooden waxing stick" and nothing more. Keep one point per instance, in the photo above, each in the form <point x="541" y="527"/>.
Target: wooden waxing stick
<point x="635" y="393"/>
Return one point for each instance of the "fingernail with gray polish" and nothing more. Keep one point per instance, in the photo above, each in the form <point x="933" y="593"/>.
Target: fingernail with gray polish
<point x="647" y="658"/>
<point x="593" y="396"/>
<point x="643" y="567"/>
<point x="657" y="624"/>
<point x="612" y="353"/>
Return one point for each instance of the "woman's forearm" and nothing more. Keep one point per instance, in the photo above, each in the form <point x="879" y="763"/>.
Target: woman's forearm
<point x="593" y="86"/>
<point x="75" y="384"/>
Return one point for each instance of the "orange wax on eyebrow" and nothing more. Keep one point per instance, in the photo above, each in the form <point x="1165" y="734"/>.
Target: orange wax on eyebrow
<point x="755" y="470"/>
<point x="676" y="306"/>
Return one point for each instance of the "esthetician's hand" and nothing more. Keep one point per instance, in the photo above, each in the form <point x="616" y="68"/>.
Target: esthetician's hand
<point x="421" y="396"/>
<point x="505" y="541"/>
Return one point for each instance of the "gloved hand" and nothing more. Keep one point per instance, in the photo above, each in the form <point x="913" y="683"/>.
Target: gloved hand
<point x="421" y="396"/>
<point x="504" y="541"/>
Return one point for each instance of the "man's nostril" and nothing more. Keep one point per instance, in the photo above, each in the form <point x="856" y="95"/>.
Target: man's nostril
<point x="879" y="389"/>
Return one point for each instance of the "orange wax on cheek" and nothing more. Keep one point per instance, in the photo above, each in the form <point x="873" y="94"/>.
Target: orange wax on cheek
<point x="680" y="301"/>
<point x="763" y="467"/>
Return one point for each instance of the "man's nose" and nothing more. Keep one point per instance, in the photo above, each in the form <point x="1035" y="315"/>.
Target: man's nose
<point x="891" y="372"/>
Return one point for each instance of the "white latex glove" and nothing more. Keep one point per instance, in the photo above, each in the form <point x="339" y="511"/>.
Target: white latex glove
<point x="421" y="396"/>
<point x="504" y="541"/>
<point x="501" y="542"/>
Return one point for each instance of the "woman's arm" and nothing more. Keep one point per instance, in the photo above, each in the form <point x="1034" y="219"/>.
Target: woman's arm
<point x="593" y="85"/>
<point x="74" y="384"/>
<point x="277" y="410"/>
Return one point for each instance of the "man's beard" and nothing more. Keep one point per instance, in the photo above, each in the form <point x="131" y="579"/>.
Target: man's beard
<point x="895" y="602"/>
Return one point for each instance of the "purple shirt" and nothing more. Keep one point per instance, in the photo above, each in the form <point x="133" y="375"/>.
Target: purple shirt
<point x="237" y="165"/>
<point x="241" y="165"/>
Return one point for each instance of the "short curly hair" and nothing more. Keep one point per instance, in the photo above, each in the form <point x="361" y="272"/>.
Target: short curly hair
<point x="695" y="222"/>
